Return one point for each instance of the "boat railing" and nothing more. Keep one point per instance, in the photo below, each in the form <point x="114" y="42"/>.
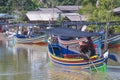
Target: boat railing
<point x="114" y="38"/>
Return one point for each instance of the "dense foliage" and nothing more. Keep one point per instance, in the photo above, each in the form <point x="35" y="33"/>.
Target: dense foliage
<point x="9" y="6"/>
<point x="89" y="7"/>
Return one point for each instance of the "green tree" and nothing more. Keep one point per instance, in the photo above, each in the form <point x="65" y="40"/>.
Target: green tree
<point x="102" y="13"/>
<point x="3" y="6"/>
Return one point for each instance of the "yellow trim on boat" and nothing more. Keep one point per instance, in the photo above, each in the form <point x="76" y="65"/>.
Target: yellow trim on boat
<point x="71" y="59"/>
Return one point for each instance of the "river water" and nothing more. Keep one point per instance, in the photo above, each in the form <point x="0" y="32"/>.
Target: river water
<point x="30" y="62"/>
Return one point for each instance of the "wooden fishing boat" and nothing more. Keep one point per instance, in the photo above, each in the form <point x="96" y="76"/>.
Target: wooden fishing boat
<point x="66" y="57"/>
<point x="31" y="40"/>
<point x="28" y="33"/>
<point x="114" y="41"/>
<point x="74" y="42"/>
<point x="68" y="40"/>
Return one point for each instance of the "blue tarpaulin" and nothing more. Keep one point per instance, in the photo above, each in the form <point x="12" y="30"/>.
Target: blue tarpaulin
<point x="60" y="31"/>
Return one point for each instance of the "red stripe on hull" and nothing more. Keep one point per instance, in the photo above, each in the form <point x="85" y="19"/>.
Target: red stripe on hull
<point x="114" y="46"/>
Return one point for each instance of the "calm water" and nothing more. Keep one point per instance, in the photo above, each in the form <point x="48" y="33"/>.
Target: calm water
<point x="29" y="62"/>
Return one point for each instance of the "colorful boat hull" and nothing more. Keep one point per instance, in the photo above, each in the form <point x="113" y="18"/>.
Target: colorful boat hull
<point x="114" y="44"/>
<point x="114" y="41"/>
<point x="78" y="63"/>
<point x="67" y="57"/>
<point x="34" y="40"/>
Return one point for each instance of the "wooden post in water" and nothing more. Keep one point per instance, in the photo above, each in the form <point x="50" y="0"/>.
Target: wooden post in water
<point x="106" y="36"/>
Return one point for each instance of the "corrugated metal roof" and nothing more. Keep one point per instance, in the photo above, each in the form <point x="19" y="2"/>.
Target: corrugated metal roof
<point x="43" y="14"/>
<point x="75" y="16"/>
<point x="66" y="14"/>
<point x="38" y="16"/>
<point x="50" y="10"/>
<point x="68" y="8"/>
<point x="5" y="15"/>
<point x="116" y="9"/>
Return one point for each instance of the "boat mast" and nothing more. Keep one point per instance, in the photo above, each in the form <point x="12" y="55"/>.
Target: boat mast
<point x="106" y="34"/>
<point x="53" y="13"/>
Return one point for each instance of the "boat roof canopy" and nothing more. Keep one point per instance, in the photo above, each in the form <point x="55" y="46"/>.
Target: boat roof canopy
<point x="61" y="31"/>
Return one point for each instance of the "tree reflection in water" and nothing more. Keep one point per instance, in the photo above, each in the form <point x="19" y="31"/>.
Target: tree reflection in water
<point x="30" y="62"/>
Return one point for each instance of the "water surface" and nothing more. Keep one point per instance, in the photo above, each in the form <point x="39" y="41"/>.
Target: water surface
<point x="30" y="62"/>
